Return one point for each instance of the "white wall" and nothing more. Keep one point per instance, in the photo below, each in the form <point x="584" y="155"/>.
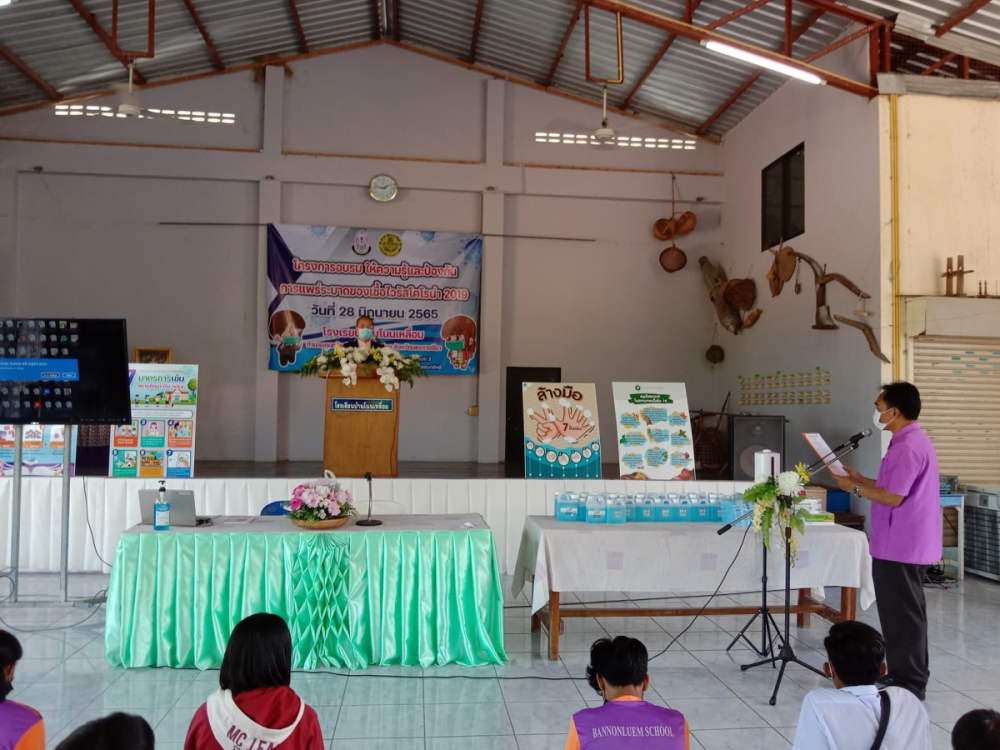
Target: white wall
<point x="366" y="111"/>
<point x="605" y="310"/>
<point x="92" y="247"/>
<point x="840" y="132"/>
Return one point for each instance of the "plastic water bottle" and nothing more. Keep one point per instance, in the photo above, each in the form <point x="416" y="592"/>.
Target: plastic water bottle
<point x="161" y="510"/>
<point x="597" y="508"/>
<point x="615" y="509"/>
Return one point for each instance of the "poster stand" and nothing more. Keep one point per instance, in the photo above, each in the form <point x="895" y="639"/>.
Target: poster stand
<point x="15" y="526"/>
<point x="15" y="512"/>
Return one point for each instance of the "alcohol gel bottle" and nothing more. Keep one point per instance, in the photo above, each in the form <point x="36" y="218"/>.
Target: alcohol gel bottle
<point x="616" y="509"/>
<point x="161" y="510"/>
<point x="700" y="512"/>
<point x="567" y="507"/>
<point x="682" y="509"/>
<point x="715" y="507"/>
<point x="597" y="508"/>
<point x="631" y="501"/>
<point x="662" y="512"/>
<point x="646" y="510"/>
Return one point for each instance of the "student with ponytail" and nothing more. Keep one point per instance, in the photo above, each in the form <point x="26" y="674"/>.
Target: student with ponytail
<point x="21" y="728"/>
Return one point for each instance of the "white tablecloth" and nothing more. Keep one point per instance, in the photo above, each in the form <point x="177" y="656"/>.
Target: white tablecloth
<point x="682" y="557"/>
<point x="282" y="525"/>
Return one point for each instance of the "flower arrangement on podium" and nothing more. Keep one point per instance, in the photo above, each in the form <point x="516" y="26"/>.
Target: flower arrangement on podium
<point x="322" y="504"/>
<point x="352" y="362"/>
<point x="773" y="503"/>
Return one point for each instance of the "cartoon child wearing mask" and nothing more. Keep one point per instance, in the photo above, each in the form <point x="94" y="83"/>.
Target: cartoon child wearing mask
<point x="286" y="329"/>
<point x="459" y="334"/>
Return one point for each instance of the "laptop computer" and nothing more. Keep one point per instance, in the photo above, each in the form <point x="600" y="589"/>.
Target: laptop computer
<point x="181" y="508"/>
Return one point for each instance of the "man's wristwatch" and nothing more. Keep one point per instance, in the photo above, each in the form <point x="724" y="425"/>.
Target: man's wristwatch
<point x="857" y="490"/>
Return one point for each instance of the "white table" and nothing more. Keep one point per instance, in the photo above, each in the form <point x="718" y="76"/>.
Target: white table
<point x="683" y="557"/>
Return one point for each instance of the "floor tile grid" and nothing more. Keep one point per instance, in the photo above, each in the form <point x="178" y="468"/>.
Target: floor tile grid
<point x="729" y="709"/>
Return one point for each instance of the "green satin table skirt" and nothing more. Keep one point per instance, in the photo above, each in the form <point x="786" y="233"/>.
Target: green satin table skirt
<point x="350" y="600"/>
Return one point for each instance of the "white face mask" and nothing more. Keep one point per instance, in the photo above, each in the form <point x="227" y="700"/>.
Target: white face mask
<point x="877" y="419"/>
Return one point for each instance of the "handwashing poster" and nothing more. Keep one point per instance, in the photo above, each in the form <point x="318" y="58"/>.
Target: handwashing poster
<point x="41" y="450"/>
<point x="654" y="431"/>
<point x="562" y="439"/>
<point x="159" y="441"/>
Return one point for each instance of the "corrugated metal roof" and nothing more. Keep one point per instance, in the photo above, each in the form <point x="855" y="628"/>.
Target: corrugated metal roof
<point x="984" y="25"/>
<point x="516" y="37"/>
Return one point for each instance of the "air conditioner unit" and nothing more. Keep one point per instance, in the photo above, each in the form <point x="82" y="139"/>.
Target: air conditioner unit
<point x="982" y="530"/>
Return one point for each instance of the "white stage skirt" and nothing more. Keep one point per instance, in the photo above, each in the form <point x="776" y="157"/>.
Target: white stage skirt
<point x="113" y="506"/>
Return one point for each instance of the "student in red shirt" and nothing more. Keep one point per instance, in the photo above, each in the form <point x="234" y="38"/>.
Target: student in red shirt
<point x="21" y="728"/>
<point x="254" y="708"/>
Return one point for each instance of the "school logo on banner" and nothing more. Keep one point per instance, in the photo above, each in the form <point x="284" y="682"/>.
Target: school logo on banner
<point x="421" y="289"/>
<point x="562" y="439"/>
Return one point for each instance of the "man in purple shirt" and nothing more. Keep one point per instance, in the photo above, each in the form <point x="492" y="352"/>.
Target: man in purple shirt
<point x="905" y="532"/>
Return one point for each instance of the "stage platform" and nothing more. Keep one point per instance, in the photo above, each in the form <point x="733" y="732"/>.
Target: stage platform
<point x="109" y="506"/>
<point x="407" y="470"/>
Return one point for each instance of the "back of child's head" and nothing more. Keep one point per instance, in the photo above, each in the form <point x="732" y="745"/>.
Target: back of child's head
<point x="259" y="654"/>
<point x="10" y="654"/>
<point x="112" y="732"/>
<point x="977" y="730"/>
<point x="856" y="652"/>
<point x="620" y="662"/>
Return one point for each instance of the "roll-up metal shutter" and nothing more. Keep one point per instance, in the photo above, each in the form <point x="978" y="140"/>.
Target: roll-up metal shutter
<point x="959" y="382"/>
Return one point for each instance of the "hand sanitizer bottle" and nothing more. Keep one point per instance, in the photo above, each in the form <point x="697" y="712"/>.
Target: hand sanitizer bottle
<point x="597" y="508"/>
<point x="161" y="510"/>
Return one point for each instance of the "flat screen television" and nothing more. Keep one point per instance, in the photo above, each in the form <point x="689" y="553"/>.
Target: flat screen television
<point x="63" y="371"/>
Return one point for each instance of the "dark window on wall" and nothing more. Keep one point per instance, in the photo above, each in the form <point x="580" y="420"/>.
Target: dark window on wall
<point x="783" y="198"/>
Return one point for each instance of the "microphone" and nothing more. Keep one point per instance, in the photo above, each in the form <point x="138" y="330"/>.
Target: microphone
<point x="854" y="439"/>
<point x="368" y="474"/>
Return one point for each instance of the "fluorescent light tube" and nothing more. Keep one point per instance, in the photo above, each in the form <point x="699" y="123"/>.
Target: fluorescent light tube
<point x="763" y="62"/>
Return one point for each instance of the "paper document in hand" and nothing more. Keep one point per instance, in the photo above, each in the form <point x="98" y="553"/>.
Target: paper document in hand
<point x="823" y="451"/>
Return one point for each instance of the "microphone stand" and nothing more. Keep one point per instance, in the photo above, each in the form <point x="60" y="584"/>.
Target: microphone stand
<point x="786" y="653"/>
<point x="369" y="521"/>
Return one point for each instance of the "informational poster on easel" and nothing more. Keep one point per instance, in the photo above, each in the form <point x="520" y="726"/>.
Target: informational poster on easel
<point x="562" y="439"/>
<point x="159" y="442"/>
<point x="41" y="450"/>
<point x="654" y="431"/>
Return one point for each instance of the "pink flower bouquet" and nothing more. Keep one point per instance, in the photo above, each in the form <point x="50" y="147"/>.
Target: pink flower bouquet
<point x="321" y="501"/>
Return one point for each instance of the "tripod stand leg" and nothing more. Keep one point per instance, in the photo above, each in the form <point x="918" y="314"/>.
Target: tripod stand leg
<point x="781" y="673"/>
<point x="742" y="634"/>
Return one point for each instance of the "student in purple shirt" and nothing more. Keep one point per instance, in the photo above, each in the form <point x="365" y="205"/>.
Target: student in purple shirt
<point x="905" y="532"/>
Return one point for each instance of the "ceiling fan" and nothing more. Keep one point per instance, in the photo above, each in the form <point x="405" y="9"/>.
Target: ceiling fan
<point x="129" y="106"/>
<point x="605" y="136"/>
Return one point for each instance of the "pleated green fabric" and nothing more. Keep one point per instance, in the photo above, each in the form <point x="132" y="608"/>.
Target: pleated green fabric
<point x="350" y="600"/>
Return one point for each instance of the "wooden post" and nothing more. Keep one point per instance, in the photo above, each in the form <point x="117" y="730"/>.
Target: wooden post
<point x="536" y="624"/>
<point x="803" y="619"/>
<point x="554" y="625"/>
<point x="848" y="603"/>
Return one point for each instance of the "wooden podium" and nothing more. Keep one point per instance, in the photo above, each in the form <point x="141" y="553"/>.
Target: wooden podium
<point x="362" y="427"/>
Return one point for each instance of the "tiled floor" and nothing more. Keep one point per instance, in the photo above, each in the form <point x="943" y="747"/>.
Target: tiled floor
<point x="65" y="676"/>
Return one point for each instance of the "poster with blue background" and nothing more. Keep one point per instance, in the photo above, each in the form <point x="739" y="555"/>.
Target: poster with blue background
<point x="420" y="288"/>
